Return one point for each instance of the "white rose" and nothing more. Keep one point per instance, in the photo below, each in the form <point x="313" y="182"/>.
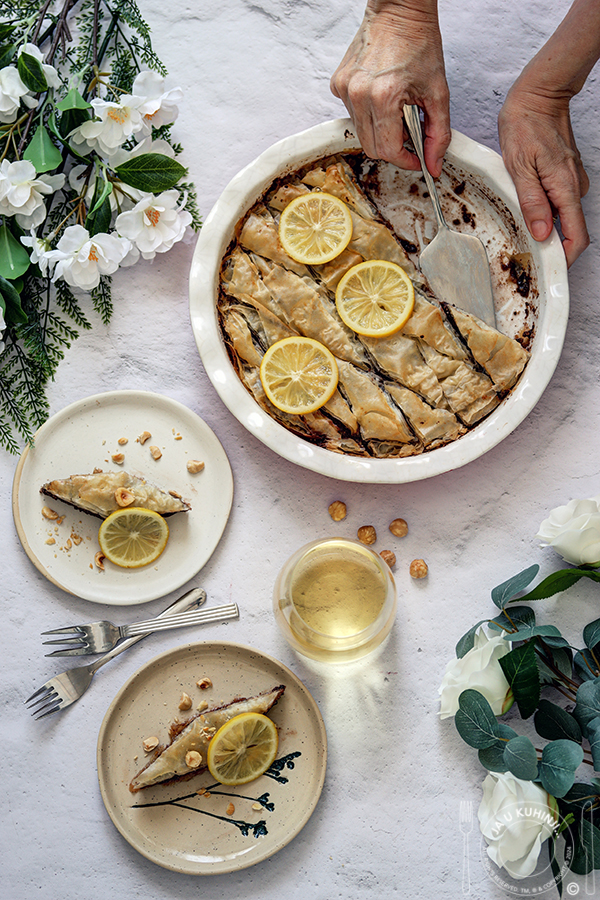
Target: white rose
<point x="478" y="670"/>
<point x="574" y="532"/>
<point x="515" y="818"/>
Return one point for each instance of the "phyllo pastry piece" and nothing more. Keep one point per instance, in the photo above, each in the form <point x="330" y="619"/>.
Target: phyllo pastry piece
<point x="432" y="426"/>
<point x="103" y="492"/>
<point x="260" y="234"/>
<point x="172" y="762"/>
<point x="502" y="357"/>
<point x="378" y="418"/>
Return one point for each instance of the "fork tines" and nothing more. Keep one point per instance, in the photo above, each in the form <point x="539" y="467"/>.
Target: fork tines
<point x="43" y="702"/>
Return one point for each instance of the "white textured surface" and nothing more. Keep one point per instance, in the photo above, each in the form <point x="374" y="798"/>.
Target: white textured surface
<point x="387" y="824"/>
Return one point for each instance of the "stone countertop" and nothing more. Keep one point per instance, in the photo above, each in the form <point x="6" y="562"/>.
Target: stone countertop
<point x="387" y="823"/>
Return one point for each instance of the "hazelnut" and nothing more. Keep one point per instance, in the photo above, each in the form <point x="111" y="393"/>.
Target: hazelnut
<point x="202" y="706"/>
<point x="366" y="534"/>
<point x="389" y="557"/>
<point x="230" y="809"/>
<point x="118" y="458"/>
<point x="204" y="683"/>
<point x="399" y="527"/>
<point x="76" y="538"/>
<point x="257" y="807"/>
<point x="124" y="497"/>
<point x="194" y="466"/>
<point x="143" y="437"/>
<point x="185" y="702"/>
<point x="155" y="452"/>
<point x="337" y="510"/>
<point x="193" y="759"/>
<point x="150" y="743"/>
<point x="49" y="513"/>
<point x="122" y="441"/>
<point x="50" y="540"/>
<point x="99" y="560"/>
<point x="418" y="568"/>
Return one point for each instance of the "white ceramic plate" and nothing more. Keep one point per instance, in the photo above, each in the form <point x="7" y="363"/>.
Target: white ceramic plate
<point x="337" y="136"/>
<point x="82" y="437"/>
<point x="197" y="836"/>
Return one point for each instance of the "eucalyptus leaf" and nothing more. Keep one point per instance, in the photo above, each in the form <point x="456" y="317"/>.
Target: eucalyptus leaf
<point x="152" y="172"/>
<point x="555" y="723"/>
<point x="521" y="759"/>
<point x="580" y="796"/>
<point x="562" y="659"/>
<point x="557" y="767"/>
<point x="475" y="721"/>
<point x="591" y="634"/>
<point x="585" y="664"/>
<point x="519" y="615"/>
<point x="492" y="758"/>
<point x="7" y="53"/>
<point x="42" y="152"/>
<point x="521" y="671"/>
<point x="587" y="705"/>
<point x="546" y="631"/>
<point x="11" y="303"/>
<point x="31" y="73"/>
<point x="586" y="849"/>
<point x="559" y="581"/>
<point x="14" y="258"/>
<point x="593" y="736"/>
<point x="505" y="592"/>
<point x="467" y="641"/>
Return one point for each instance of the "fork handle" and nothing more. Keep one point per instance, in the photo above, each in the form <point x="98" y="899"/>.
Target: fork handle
<point x="179" y="620"/>
<point x="412" y="117"/>
<point x="191" y="600"/>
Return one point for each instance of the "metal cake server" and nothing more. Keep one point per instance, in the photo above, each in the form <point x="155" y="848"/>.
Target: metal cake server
<point x="455" y="264"/>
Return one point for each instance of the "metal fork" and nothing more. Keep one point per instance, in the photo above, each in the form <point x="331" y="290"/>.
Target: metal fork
<point x="97" y="637"/>
<point x="62" y="690"/>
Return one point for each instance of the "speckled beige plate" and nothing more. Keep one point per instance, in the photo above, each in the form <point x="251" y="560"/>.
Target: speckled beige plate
<point x="181" y="830"/>
<point x="84" y="436"/>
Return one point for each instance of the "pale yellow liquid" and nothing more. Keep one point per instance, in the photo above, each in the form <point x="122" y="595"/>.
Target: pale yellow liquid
<point x="337" y="590"/>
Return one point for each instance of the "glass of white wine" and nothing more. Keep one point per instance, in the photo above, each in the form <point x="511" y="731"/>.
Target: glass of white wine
<point x="335" y="600"/>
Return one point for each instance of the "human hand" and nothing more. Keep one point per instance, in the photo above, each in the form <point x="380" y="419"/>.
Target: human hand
<point x="396" y="58"/>
<point x="541" y="155"/>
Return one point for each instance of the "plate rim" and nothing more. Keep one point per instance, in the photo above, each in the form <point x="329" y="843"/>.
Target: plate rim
<point x="335" y="136"/>
<point x="221" y="645"/>
<point x="74" y="407"/>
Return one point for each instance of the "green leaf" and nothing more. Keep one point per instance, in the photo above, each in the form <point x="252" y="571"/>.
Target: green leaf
<point x="6" y="29"/>
<point x="32" y="74"/>
<point x="591" y="634"/>
<point x="492" y="758"/>
<point x="559" y="581"/>
<point x="560" y="760"/>
<point x="475" y="721"/>
<point x="521" y="671"/>
<point x="580" y="796"/>
<point x="587" y="705"/>
<point x="11" y="303"/>
<point x="504" y="593"/>
<point x="42" y="152"/>
<point x="519" y="615"/>
<point x="62" y="138"/>
<point x="75" y="111"/>
<point x="586" y="848"/>
<point x="521" y="759"/>
<point x="555" y="723"/>
<point x="151" y="172"/>
<point x="14" y="258"/>
<point x="562" y="660"/>
<point x="7" y="53"/>
<point x="467" y="641"/>
<point x="545" y="631"/>
<point x="586" y="666"/>
<point x="73" y="100"/>
<point x="100" y="214"/>
<point x="593" y="736"/>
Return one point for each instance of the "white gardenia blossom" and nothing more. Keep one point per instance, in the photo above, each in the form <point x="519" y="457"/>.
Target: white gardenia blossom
<point x="477" y="670"/>
<point x="81" y="259"/>
<point x="515" y="818"/>
<point x="155" y="223"/>
<point x="112" y="125"/>
<point x="40" y="250"/>
<point x="22" y="192"/>
<point x="157" y="106"/>
<point x="49" y="71"/>
<point x="574" y="532"/>
<point x="12" y="93"/>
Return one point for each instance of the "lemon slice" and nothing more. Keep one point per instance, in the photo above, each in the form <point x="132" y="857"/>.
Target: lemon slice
<point x="298" y="375"/>
<point x="314" y="228"/>
<point x="133" y="537"/>
<point x="242" y="749"/>
<point x="375" y="298"/>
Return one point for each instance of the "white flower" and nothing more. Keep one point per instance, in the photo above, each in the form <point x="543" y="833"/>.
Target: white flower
<point x="515" y="818"/>
<point x="574" y="532"/>
<point x="12" y="92"/>
<point x="155" y="223"/>
<point x="40" y="250"/>
<point x="157" y="106"/>
<point x="477" y="670"/>
<point x="22" y="192"/>
<point x="49" y="71"/>
<point x="81" y="259"/>
<point x="112" y="125"/>
<point x="147" y="145"/>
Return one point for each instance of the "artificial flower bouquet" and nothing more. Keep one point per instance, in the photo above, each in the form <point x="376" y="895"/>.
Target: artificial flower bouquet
<point x="533" y="795"/>
<point x="89" y="181"/>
